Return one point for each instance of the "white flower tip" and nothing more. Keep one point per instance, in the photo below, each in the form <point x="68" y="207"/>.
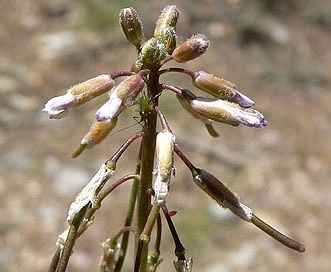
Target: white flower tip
<point x="58" y="106"/>
<point x="161" y="190"/>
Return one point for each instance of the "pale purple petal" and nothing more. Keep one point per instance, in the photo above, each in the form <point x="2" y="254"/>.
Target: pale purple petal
<point x="241" y="99"/>
<point x="249" y="117"/>
<point x="110" y="109"/>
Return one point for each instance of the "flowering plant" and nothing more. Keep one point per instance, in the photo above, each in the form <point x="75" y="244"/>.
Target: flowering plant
<point x="142" y="87"/>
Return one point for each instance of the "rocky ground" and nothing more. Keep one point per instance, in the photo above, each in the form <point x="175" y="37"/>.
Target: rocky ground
<point x="278" y="52"/>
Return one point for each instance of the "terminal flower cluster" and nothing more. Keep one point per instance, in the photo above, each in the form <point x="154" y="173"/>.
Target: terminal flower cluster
<point x="211" y="100"/>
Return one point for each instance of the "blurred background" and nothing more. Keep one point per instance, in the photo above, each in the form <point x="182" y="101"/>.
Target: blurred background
<point x="277" y="52"/>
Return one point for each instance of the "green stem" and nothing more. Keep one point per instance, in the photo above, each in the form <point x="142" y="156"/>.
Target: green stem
<point x="147" y="163"/>
<point x="128" y="220"/>
<point x="70" y="242"/>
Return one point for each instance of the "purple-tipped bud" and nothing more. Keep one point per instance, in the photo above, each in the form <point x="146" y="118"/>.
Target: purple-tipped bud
<point x="121" y="97"/>
<point x="220" y="88"/>
<point x="192" y="48"/>
<point x="168" y="18"/>
<point x="227" y="112"/>
<point x="131" y="26"/>
<point x="78" y="95"/>
<point x="221" y="193"/>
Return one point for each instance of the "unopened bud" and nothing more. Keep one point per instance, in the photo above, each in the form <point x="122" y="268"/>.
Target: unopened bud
<point x="152" y="53"/>
<point x="164" y="159"/>
<point x="220" y="88"/>
<point x="168" y="38"/>
<point x="121" y="97"/>
<point x="191" y="49"/>
<point x="131" y="26"/>
<point x="168" y="18"/>
<point x="221" y="193"/>
<point x="227" y="112"/>
<point x="78" y="95"/>
<point x="98" y="131"/>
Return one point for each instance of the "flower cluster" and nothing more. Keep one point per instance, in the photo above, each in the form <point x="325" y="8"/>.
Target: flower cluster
<point x="223" y="103"/>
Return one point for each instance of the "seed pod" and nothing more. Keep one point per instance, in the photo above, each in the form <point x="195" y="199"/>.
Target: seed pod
<point x="131" y="26"/>
<point x="221" y="193"/>
<point x="191" y="48"/>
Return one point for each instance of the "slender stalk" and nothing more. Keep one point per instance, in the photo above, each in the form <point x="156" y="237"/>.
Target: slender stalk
<point x="145" y="236"/>
<point x="70" y="242"/>
<point x="147" y="164"/>
<point x="180" y="249"/>
<point x="55" y="260"/>
<point x="128" y="220"/>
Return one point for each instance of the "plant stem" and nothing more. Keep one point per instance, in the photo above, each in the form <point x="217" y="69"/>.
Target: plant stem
<point x="69" y="243"/>
<point x="128" y="220"/>
<point x="147" y="163"/>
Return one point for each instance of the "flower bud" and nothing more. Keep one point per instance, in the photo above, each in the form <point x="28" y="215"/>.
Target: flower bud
<point x="121" y="97"/>
<point x="221" y="193"/>
<point x="131" y="26"/>
<point x="164" y="159"/>
<point x="227" y="112"/>
<point x="168" y="38"/>
<point x="168" y="18"/>
<point x="78" y="95"/>
<point x="152" y="53"/>
<point x="192" y="48"/>
<point x="220" y="88"/>
<point x="98" y="131"/>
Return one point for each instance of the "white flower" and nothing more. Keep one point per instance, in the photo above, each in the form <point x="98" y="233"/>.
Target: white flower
<point x="58" y="106"/>
<point x="77" y="95"/>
